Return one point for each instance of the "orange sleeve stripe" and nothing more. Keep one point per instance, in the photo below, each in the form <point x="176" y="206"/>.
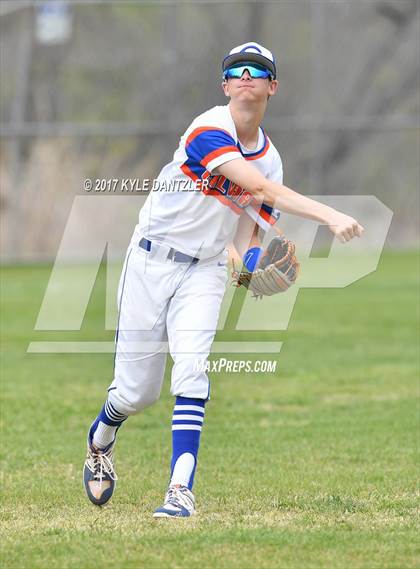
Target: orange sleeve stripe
<point x="264" y="214"/>
<point x="218" y="152"/>
<point x="189" y="173"/>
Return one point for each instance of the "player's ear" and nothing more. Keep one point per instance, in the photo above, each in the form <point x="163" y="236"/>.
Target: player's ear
<point x="225" y="88"/>
<point x="273" y="86"/>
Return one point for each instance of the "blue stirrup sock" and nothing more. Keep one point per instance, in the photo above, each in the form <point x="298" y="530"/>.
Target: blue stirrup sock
<point x="103" y="431"/>
<point x="187" y="422"/>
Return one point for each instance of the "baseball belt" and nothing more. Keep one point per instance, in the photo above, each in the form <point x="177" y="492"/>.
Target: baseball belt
<point x="173" y="254"/>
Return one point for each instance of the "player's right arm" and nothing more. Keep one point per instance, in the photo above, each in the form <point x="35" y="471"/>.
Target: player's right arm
<point x="287" y="200"/>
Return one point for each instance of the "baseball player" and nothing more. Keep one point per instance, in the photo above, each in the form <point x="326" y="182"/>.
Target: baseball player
<point x="225" y="173"/>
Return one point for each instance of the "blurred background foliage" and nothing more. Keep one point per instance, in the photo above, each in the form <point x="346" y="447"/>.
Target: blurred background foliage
<point x="105" y="89"/>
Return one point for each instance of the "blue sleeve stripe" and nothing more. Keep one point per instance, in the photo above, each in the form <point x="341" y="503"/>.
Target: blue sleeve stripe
<point x="207" y="141"/>
<point x="192" y="169"/>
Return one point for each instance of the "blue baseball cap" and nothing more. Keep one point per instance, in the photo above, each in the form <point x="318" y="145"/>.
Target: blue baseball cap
<point x="250" y="52"/>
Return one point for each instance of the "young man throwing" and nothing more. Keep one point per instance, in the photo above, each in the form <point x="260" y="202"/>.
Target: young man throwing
<point x="174" y="275"/>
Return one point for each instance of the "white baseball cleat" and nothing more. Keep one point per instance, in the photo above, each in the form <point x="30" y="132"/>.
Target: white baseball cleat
<point x="179" y="503"/>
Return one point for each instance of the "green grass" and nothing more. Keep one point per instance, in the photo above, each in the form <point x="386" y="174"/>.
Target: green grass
<point x="314" y="466"/>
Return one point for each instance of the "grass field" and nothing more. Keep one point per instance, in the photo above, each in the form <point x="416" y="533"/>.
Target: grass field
<point x="314" y="466"/>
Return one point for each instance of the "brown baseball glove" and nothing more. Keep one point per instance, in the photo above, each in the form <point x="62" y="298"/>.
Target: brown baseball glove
<point x="277" y="270"/>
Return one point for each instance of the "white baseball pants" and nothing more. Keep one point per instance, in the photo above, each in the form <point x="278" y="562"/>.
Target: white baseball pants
<point x="164" y="304"/>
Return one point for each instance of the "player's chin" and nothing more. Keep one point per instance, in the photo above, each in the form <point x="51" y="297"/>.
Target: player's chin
<point x="246" y="89"/>
<point x="248" y="95"/>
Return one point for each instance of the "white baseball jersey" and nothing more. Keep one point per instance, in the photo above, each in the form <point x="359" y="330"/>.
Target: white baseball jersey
<point x="195" y="210"/>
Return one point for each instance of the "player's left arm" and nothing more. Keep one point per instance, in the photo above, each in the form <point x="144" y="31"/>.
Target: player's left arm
<point x="247" y="235"/>
<point x="246" y="247"/>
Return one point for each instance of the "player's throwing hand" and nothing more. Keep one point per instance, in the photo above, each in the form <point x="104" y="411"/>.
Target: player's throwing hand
<point x="344" y="227"/>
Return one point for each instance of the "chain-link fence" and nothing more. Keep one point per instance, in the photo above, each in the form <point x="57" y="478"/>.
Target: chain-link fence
<point x="104" y="90"/>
